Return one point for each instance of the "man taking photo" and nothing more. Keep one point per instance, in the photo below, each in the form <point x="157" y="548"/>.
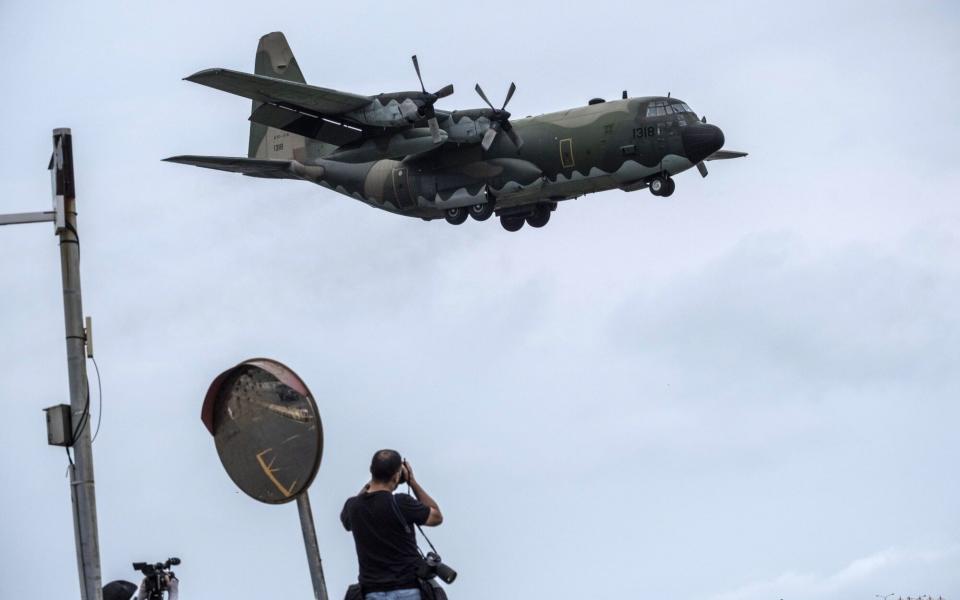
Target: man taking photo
<point x="382" y="524"/>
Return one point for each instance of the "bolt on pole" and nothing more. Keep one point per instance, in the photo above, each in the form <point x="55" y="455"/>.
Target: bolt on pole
<point x="82" y="491"/>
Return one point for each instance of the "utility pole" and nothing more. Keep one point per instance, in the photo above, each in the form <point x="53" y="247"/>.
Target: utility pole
<point x="83" y="498"/>
<point x="81" y="471"/>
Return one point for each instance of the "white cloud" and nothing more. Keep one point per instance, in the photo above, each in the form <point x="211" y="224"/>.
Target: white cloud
<point x="863" y="578"/>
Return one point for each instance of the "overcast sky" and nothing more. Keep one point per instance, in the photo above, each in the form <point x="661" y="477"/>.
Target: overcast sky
<point x="746" y="391"/>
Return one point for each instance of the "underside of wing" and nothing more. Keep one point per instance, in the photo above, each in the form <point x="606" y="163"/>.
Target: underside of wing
<point x="725" y="155"/>
<point x="318" y="100"/>
<point x="254" y="167"/>
<point x="325" y="129"/>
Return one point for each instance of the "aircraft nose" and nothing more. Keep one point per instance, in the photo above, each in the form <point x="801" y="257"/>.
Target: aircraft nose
<point x="701" y="140"/>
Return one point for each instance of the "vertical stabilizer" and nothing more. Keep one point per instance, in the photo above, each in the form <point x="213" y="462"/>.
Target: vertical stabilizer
<point x="275" y="59"/>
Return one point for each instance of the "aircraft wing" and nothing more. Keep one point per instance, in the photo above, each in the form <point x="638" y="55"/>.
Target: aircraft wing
<point x="312" y="98"/>
<point x="254" y="167"/>
<point x="725" y="154"/>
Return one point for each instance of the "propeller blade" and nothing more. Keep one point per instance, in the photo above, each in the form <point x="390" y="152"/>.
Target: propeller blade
<point x="416" y="66"/>
<point x="514" y="137"/>
<point x="482" y="95"/>
<point x="513" y="88"/>
<point x="444" y="91"/>
<point x="488" y="138"/>
<point x="435" y="130"/>
<point x="702" y="168"/>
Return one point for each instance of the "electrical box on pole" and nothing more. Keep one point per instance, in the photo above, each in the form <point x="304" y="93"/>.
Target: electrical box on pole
<point x="59" y="425"/>
<point x="59" y="182"/>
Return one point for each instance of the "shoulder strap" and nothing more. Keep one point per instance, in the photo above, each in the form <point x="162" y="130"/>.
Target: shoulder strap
<point x="396" y="511"/>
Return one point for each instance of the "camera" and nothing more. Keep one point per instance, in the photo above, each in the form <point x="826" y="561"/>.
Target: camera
<point x="156" y="576"/>
<point x="432" y="566"/>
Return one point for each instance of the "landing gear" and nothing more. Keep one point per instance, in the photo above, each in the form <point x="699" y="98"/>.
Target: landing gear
<point x="481" y="212"/>
<point x="455" y="216"/>
<point x="512" y="222"/>
<point x="662" y="185"/>
<point x="540" y="216"/>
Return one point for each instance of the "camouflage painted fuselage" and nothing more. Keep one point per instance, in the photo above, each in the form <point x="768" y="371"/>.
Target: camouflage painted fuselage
<point x="565" y="154"/>
<point x="396" y="152"/>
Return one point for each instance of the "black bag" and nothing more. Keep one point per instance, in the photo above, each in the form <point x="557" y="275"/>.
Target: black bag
<point x="431" y="590"/>
<point x="354" y="592"/>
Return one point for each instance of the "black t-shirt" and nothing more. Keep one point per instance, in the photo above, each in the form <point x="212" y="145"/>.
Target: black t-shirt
<point x="382" y="525"/>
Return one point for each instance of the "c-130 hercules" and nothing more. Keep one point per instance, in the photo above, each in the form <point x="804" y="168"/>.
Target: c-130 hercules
<point x="398" y="153"/>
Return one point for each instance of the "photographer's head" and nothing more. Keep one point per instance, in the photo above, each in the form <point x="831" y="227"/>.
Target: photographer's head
<point x="119" y="590"/>
<point x="386" y="467"/>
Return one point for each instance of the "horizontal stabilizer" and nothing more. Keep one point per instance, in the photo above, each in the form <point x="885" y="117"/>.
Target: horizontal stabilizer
<point x="254" y="167"/>
<point x="321" y="101"/>
<point x="725" y="154"/>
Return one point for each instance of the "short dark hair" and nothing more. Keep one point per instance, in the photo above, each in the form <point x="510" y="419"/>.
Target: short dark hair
<point x="385" y="465"/>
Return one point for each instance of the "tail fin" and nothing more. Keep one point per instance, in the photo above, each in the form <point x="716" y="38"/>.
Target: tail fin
<point x="275" y="59"/>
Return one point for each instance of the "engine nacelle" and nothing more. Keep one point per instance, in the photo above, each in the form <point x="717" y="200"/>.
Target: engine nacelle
<point x="467" y="126"/>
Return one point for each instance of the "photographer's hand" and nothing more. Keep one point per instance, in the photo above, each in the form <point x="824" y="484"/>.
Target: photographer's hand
<point x="436" y="517"/>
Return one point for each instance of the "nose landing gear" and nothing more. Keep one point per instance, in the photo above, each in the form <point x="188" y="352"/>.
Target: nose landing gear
<point x="662" y="185"/>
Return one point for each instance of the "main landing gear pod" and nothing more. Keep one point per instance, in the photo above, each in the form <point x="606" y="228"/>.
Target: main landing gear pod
<point x="456" y="216"/>
<point x="536" y="216"/>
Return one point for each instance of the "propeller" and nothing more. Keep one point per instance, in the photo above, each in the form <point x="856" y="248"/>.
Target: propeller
<point x="429" y="100"/>
<point x="702" y="168"/>
<point x="500" y="120"/>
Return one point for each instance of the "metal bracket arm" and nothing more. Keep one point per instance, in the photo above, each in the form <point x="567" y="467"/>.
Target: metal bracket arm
<point x="31" y="217"/>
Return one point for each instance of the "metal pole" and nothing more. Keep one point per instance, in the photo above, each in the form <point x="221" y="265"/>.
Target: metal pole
<point x="313" y="550"/>
<point x="81" y="473"/>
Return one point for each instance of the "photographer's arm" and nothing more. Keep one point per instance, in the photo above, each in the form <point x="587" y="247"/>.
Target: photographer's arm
<point x="436" y="517"/>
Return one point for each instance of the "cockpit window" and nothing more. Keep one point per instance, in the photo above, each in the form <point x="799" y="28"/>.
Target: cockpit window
<point x="660" y="108"/>
<point x="656" y="109"/>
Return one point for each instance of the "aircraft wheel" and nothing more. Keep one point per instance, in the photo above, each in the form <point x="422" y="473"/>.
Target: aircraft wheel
<point x="455" y="216"/>
<point x="512" y="223"/>
<point x="671" y="186"/>
<point x="481" y="212"/>
<point x="540" y="217"/>
<point x="658" y="185"/>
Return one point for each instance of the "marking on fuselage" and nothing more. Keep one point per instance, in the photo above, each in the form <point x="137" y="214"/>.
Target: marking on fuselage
<point x="648" y="131"/>
<point x="566" y="153"/>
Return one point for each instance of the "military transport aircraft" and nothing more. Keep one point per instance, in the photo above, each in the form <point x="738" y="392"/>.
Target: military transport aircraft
<point x="395" y="151"/>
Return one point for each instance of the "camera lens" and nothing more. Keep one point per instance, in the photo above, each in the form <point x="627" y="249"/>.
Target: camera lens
<point x="445" y="573"/>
